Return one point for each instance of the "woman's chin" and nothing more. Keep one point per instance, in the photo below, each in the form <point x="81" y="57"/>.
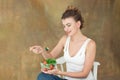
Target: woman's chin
<point x="69" y="35"/>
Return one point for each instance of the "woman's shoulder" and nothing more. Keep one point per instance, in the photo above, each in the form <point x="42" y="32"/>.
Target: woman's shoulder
<point x="91" y="42"/>
<point x="63" y="39"/>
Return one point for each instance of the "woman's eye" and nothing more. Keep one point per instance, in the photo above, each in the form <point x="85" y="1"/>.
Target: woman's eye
<point x="68" y="25"/>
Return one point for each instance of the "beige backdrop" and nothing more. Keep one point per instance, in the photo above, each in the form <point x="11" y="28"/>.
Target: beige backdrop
<point x="24" y="23"/>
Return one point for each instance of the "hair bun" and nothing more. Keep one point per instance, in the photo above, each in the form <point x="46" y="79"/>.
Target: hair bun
<point x="72" y="8"/>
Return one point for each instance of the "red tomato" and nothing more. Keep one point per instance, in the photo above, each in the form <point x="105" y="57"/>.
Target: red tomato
<point x="45" y="62"/>
<point x="51" y="67"/>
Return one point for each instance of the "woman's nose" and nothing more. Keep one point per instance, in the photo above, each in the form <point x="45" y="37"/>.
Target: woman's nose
<point x="65" y="29"/>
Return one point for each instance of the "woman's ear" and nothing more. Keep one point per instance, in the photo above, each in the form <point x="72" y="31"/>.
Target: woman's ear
<point x="78" y="24"/>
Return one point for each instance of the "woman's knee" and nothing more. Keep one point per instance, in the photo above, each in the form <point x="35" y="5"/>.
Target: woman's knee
<point x="43" y="76"/>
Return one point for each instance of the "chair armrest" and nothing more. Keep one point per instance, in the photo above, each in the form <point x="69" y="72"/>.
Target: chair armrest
<point x="95" y="69"/>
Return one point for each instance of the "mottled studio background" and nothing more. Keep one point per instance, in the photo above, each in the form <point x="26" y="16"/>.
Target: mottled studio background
<point x="24" y="23"/>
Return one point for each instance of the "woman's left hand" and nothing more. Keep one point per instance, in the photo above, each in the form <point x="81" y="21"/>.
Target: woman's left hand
<point x="53" y="71"/>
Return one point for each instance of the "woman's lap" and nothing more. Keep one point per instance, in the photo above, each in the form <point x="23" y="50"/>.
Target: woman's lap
<point x="43" y="76"/>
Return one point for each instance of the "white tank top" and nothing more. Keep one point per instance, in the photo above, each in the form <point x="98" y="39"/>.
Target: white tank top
<point x="76" y="63"/>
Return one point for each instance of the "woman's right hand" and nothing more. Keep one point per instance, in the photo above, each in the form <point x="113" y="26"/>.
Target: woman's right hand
<point x="36" y="49"/>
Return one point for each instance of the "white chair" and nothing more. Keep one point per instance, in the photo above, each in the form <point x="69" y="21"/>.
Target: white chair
<point x="61" y="61"/>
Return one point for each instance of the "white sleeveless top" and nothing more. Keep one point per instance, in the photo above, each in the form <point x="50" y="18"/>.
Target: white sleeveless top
<point x="76" y="63"/>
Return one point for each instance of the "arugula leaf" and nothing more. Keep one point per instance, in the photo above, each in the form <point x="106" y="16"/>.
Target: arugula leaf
<point x="51" y="61"/>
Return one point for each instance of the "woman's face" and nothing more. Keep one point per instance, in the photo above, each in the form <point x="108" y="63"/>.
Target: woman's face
<point x="70" y="26"/>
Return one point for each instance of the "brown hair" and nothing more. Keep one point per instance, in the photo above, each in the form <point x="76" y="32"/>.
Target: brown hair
<point x="75" y="13"/>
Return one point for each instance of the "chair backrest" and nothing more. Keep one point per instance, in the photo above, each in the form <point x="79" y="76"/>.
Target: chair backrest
<point x="61" y="61"/>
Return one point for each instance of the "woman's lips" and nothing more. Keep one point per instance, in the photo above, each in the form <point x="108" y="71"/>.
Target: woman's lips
<point x="68" y="32"/>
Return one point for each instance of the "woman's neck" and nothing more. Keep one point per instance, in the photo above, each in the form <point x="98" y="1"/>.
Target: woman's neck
<point x="78" y="36"/>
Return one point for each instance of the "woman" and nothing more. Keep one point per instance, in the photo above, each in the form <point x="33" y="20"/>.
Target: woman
<point x="79" y="50"/>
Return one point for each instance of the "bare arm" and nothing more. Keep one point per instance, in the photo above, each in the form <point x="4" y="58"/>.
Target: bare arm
<point x="59" y="47"/>
<point x="89" y="59"/>
<point x="54" y="53"/>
